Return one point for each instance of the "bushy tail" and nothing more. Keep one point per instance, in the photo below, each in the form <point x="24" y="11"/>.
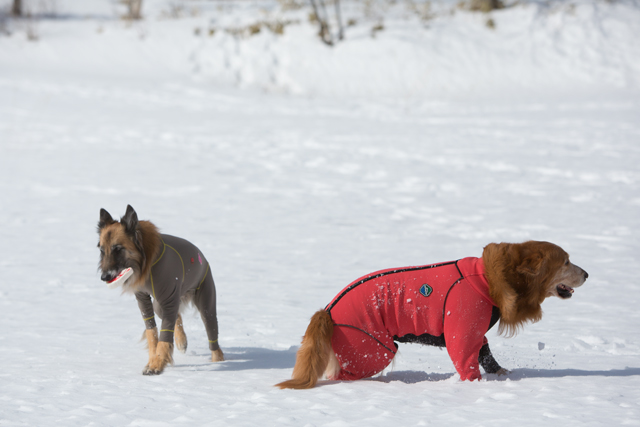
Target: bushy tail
<point x="314" y="353"/>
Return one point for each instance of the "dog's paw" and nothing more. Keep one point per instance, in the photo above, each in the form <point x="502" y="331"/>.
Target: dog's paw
<point x="181" y="345"/>
<point x="217" y="356"/>
<point x="161" y="359"/>
<point x="151" y="371"/>
<point x="503" y="371"/>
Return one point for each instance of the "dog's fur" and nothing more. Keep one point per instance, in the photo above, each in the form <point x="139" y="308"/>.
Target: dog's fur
<point x="136" y="244"/>
<point x="520" y="277"/>
<point x="128" y="243"/>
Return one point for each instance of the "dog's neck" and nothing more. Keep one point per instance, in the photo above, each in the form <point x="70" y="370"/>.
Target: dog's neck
<point x="152" y="244"/>
<point x="515" y="309"/>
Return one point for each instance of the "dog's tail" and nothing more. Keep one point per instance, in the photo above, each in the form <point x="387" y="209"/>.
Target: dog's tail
<point x="314" y="353"/>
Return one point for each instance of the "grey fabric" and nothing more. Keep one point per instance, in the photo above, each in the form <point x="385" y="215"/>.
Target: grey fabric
<point x="179" y="272"/>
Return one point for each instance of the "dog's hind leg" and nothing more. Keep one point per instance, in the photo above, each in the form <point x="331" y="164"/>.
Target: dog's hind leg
<point x="333" y="367"/>
<point x="180" y="336"/>
<point x="217" y="355"/>
<point x="205" y="302"/>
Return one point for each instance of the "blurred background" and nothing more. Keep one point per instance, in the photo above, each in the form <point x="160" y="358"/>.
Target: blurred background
<point x="398" y="49"/>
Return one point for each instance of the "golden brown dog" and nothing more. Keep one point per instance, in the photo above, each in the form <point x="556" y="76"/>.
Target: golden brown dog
<point x="449" y="305"/>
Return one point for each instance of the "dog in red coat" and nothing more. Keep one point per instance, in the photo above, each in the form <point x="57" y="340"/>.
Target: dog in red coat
<point x="451" y="304"/>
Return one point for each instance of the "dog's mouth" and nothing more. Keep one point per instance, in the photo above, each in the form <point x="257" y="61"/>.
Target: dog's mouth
<point x="564" y="291"/>
<point x="121" y="278"/>
<point x="116" y="278"/>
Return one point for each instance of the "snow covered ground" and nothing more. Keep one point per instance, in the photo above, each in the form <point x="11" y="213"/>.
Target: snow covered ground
<point x="297" y="168"/>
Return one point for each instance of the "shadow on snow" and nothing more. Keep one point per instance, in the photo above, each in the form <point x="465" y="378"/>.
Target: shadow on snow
<point x="413" y="377"/>
<point x="246" y="358"/>
<point x="520" y="374"/>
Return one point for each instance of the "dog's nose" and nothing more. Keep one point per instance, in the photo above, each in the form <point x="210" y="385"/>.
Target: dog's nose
<point x="107" y="276"/>
<point x="586" y="275"/>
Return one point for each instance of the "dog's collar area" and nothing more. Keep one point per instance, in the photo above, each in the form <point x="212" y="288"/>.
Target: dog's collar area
<point x="164" y="248"/>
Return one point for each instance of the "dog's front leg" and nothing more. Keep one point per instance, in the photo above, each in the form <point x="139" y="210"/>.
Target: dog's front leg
<point x="164" y="349"/>
<point x="159" y="353"/>
<point x="489" y="363"/>
<point x="152" y="343"/>
<point x="162" y="357"/>
<point x="503" y="371"/>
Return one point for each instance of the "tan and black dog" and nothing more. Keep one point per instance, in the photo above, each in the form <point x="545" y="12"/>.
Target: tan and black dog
<point x="168" y="273"/>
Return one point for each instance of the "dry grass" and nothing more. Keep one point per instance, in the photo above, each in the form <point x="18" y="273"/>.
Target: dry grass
<point x="276" y="26"/>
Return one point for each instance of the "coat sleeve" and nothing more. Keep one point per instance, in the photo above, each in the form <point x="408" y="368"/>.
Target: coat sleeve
<point x="167" y="279"/>
<point x="170" y="306"/>
<point x="466" y="319"/>
<point x="146" y="309"/>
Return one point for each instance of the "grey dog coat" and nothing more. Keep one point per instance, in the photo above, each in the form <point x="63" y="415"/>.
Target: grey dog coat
<point x="179" y="274"/>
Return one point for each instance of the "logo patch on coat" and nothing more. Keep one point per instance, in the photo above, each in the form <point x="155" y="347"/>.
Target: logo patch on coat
<point x="426" y="290"/>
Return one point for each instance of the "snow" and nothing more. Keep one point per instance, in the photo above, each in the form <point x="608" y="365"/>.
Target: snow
<point x="297" y="168"/>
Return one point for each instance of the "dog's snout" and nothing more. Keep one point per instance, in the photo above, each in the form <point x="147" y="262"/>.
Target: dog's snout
<point x="584" y="273"/>
<point x="107" y="276"/>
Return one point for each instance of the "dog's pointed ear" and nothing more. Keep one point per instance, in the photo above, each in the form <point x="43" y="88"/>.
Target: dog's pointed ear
<point x="531" y="265"/>
<point x="132" y="228"/>
<point x="105" y="219"/>
<point x="130" y="220"/>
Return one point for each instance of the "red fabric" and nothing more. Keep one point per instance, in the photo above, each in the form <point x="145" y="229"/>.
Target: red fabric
<point x="373" y="309"/>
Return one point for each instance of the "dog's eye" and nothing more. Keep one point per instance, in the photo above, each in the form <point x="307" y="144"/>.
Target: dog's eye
<point x="116" y="249"/>
<point x="101" y="250"/>
<point x="566" y="262"/>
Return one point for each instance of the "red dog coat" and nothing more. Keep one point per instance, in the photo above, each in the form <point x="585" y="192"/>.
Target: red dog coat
<point x="440" y="304"/>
